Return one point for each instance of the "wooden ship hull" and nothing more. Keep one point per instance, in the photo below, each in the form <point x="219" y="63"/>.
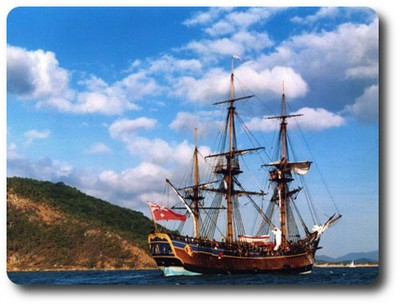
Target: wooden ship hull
<point x="178" y="255"/>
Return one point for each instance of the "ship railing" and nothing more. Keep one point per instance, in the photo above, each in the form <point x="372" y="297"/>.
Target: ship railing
<point x="244" y="249"/>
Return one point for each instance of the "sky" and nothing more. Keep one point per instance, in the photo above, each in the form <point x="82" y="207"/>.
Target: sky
<point x="106" y="99"/>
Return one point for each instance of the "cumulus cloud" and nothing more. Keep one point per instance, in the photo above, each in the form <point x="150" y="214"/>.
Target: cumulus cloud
<point x="188" y="74"/>
<point x="229" y="31"/>
<point x="314" y="119"/>
<point x="261" y="124"/>
<point x="214" y="85"/>
<point x="123" y="129"/>
<point x="242" y="42"/>
<point x="153" y="150"/>
<point x="36" y="75"/>
<point x="365" y="107"/>
<point x="318" y="119"/>
<point x="143" y="178"/>
<point x="146" y="182"/>
<point x="350" y="51"/>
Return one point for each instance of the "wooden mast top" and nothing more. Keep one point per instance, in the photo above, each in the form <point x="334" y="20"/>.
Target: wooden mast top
<point x="229" y="158"/>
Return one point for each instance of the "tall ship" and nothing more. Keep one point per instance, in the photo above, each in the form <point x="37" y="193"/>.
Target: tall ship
<point x="222" y="238"/>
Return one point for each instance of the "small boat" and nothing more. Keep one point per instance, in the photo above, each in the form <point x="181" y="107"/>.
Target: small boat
<point x="220" y="241"/>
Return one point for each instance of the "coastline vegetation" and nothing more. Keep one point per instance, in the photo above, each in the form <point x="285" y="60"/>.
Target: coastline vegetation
<point x="51" y="226"/>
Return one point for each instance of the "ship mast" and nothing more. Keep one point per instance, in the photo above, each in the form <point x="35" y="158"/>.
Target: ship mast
<point x="282" y="174"/>
<point x="229" y="158"/>
<point x="196" y="196"/>
<point x="231" y="168"/>
<point x="283" y="187"/>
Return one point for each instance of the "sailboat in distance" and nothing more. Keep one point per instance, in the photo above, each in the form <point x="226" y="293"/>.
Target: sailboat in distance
<point x="221" y="240"/>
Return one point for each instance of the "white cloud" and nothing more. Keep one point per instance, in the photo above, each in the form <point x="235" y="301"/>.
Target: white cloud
<point x="208" y="88"/>
<point x="206" y="17"/>
<point x="346" y="53"/>
<point x="261" y="124"/>
<point x="315" y="119"/>
<point x="323" y="12"/>
<point x="350" y="51"/>
<point x="98" y="148"/>
<point x="365" y="107"/>
<point x="215" y="84"/>
<point x="170" y="64"/>
<point x="123" y="129"/>
<point x="143" y="178"/>
<point x="33" y="135"/>
<point x="241" y="42"/>
<point x="153" y="150"/>
<point x="116" y="98"/>
<point x="156" y="150"/>
<point x="263" y="80"/>
<point x="146" y="182"/>
<point x="222" y="21"/>
<point x="229" y="32"/>
<point x="36" y="75"/>
<point x="205" y="123"/>
<point x="318" y="119"/>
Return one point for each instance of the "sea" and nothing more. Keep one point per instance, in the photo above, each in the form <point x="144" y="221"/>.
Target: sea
<point x="317" y="277"/>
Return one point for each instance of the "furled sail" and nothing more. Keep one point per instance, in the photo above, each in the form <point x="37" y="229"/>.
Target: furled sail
<point x="300" y="168"/>
<point x="254" y="239"/>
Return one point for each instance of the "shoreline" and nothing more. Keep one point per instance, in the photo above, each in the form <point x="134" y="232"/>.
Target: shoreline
<point x="345" y="265"/>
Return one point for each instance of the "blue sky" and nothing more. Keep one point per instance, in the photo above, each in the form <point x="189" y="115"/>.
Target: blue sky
<point x="106" y="99"/>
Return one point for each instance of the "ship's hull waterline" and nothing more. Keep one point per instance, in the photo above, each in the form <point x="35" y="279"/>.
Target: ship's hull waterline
<point x="180" y="257"/>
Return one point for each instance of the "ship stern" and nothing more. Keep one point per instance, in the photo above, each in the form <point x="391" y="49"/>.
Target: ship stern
<point x="163" y="252"/>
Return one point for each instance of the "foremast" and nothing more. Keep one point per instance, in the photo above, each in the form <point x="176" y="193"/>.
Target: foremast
<point x="281" y="174"/>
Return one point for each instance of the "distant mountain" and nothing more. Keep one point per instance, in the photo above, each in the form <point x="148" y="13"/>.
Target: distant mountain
<point x="360" y="257"/>
<point x="54" y="226"/>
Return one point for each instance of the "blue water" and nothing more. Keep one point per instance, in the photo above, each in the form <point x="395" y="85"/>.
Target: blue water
<point x="318" y="276"/>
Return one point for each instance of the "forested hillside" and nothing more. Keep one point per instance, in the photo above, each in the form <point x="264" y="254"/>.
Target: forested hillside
<point x="54" y="226"/>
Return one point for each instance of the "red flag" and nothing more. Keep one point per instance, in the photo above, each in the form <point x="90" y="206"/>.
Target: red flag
<point x="160" y="212"/>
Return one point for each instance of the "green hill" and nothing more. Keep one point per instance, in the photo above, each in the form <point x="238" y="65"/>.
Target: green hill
<point x="54" y="226"/>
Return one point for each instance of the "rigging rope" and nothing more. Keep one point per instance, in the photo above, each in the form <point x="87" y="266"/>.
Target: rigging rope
<point x="316" y="165"/>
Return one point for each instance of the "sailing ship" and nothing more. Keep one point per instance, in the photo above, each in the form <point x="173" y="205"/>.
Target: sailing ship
<point x="224" y="247"/>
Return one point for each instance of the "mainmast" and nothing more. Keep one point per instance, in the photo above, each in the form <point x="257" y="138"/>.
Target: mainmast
<point x="196" y="180"/>
<point x="283" y="187"/>
<point x="230" y="167"/>
<point x="229" y="159"/>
